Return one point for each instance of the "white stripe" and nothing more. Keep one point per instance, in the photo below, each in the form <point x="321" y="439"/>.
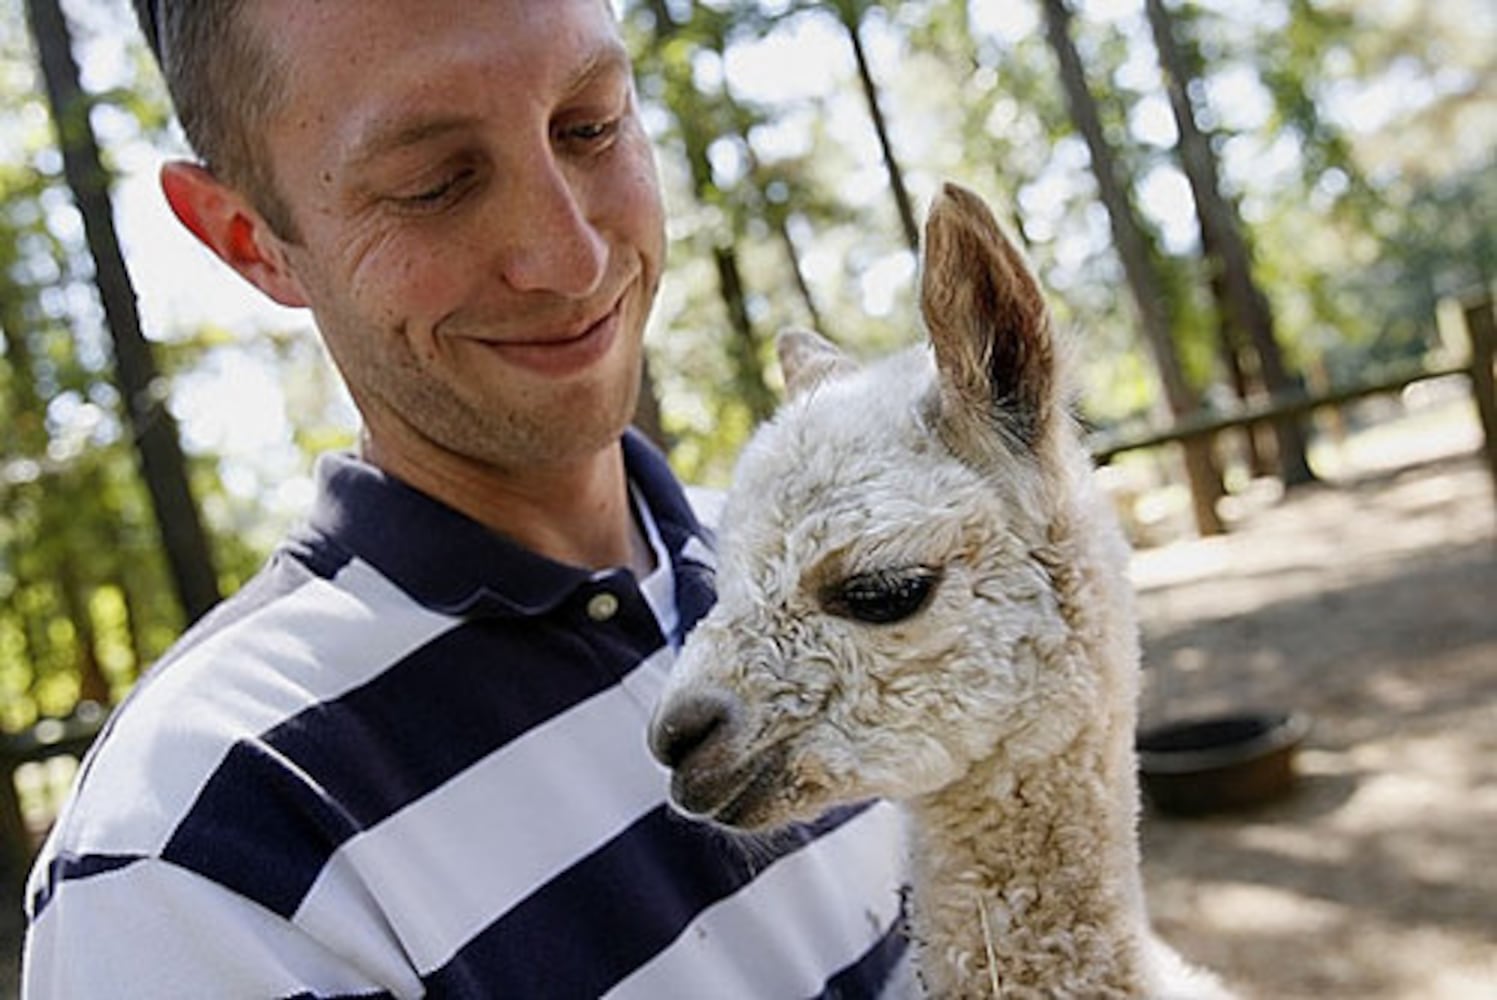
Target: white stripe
<point x="157" y="932"/>
<point x="659" y="587"/>
<point x="476" y="861"/>
<point x="707" y="504"/>
<point x="314" y="644"/>
<point x="696" y="550"/>
<point x="786" y="933"/>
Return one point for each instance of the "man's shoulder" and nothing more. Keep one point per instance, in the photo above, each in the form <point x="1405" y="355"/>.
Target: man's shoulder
<point x="319" y="632"/>
<point x="286" y="644"/>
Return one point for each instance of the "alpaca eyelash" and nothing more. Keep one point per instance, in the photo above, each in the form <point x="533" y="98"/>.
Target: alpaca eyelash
<point x="882" y="597"/>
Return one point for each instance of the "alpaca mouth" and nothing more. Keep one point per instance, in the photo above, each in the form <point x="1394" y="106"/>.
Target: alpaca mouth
<point x="742" y="798"/>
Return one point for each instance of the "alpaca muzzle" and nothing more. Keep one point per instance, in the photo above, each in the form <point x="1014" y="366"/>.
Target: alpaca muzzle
<point x="714" y="777"/>
<point x="689" y="726"/>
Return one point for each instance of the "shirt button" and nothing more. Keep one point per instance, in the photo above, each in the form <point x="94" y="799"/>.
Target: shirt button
<point x="602" y="606"/>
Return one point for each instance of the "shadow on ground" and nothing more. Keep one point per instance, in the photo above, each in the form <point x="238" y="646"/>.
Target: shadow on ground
<point x="1371" y="605"/>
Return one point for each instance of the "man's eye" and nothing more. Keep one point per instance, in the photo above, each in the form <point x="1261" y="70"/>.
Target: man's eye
<point x="437" y="195"/>
<point x="590" y="133"/>
<point x="882" y="597"/>
<point x="593" y="130"/>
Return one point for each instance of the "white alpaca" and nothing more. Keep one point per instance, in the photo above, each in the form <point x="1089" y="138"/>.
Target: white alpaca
<point x="922" y="598"/>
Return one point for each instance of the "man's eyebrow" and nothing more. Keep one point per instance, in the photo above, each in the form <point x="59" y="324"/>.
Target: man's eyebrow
<point x="609" y="59"/>
<point x="384" y="136"/>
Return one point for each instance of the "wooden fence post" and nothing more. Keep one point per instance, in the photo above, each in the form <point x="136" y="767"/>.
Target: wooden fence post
<point x="1481" y="326"/>
<point x="15" y="839"/>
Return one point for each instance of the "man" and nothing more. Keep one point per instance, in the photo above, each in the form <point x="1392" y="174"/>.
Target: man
<point x="409" y="758"/>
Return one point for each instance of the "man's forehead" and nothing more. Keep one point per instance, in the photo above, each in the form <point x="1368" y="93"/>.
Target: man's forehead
<point x="351" y="32"/>
<point x="384" y="75"/>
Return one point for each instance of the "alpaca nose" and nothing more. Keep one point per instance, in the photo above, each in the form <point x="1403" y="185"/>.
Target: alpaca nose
<point x="687" y="725"/>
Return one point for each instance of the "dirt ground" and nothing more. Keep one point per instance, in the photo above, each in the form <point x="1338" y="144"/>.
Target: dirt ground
<point x="1371" y="604"/>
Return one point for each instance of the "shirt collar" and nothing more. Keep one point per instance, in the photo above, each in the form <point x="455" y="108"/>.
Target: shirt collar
<point x="452" y="564"/>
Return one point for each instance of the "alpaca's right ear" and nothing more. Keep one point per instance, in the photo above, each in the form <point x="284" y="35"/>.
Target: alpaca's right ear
<point x="988" y="321"/>
<point x="807" y="359"/>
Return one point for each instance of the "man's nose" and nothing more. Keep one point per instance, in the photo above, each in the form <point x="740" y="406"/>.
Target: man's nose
<point x="550" y="244"/>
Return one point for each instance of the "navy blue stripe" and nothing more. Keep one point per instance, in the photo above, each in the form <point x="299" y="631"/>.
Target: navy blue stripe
<point x="641" y="890"/>
<point x="321" y="555"/>
<point x="305" y="995"/>
<point x="869" y="974"/>
<point x="67" y="867"/>
<point x="696" y="592"/>
<point x="260" y="828"/>
<point x="277" y="807"/>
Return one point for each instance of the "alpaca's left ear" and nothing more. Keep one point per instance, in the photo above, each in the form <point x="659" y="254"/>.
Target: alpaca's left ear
<point x="988" y="320"/>
<point x="807" y="359"/>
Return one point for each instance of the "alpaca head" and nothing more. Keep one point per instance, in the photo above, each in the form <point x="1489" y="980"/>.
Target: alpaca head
<point x="889" y="609"/>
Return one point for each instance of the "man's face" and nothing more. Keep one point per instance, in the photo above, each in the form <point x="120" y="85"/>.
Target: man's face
<point x="479" y="227"/>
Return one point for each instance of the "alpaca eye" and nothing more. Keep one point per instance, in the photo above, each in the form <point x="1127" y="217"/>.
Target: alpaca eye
<point x="884" y="596"/>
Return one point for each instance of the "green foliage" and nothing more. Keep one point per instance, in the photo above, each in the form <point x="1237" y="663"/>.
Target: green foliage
<point x="87" y="602"/>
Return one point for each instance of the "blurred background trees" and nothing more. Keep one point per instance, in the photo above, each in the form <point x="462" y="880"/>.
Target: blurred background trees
<point x="1298" y="184"/>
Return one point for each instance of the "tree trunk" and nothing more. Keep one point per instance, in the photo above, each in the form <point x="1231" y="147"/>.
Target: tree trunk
<point x="777" y="214"/>
<point x="1236" y="358"/>
<point x="849" y="12"/>
<point x="1133" y="251"/>
<point x="24" y="410"/>
<point x="134" y="621"/>
<point x="92" y="684"/>
<point x="1224" y="244"/>
<point x="744" y="347"/>
<point x="162" y="463"/>
<point x="792" y="257"/>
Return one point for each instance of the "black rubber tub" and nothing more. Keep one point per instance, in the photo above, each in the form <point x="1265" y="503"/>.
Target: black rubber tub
<point x="1220" y="763"/>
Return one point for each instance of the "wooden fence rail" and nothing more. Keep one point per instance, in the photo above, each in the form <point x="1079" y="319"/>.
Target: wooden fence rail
<point x="1481" y="329"/>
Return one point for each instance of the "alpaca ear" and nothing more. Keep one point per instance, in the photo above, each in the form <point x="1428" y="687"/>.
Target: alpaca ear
<point x="988" y="321"/>
<point x="807" y="359"/>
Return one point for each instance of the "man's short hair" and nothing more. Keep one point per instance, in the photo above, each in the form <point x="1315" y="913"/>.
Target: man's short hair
<point x="225" y="83"/>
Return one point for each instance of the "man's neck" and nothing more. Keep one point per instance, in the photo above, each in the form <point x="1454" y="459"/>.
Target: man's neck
<point x="577" y="512"/>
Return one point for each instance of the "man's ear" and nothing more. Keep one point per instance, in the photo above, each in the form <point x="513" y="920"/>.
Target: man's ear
<point x="228" y="225"/>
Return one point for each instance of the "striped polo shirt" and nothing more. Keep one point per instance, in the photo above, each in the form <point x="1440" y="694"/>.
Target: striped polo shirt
<point x="409" y="759"/>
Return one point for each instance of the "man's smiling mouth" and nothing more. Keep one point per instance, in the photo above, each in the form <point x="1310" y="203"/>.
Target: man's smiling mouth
<point x="565" y="354"/>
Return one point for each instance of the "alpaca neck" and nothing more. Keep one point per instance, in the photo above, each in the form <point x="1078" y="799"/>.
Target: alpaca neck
<point x="1027" y="878"/>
